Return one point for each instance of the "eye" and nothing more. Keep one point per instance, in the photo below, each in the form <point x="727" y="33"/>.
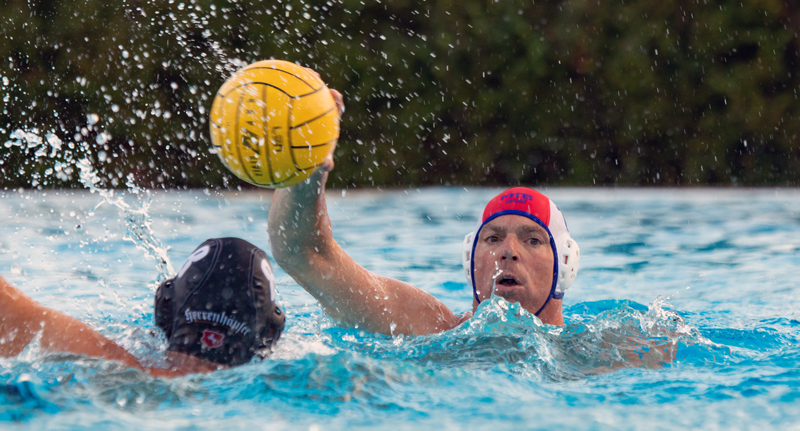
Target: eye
<point x="535" y="241"/>
<point x="492" y="238"/>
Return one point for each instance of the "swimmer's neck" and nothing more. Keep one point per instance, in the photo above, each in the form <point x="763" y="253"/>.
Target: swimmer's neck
<point x="551" y="315"/>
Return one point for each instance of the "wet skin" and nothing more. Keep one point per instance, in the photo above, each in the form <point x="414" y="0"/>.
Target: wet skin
<point x="519" y="250"/>
<point x="22" y="319"/>
<point x="301" y="238"/>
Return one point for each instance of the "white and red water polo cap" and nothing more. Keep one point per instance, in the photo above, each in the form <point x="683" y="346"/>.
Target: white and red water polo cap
<point x="539" y="208"/>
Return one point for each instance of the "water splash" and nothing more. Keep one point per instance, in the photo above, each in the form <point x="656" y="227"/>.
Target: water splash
<point x="504" y="336"/>
<point x="40" y="146"/>
<point x="136" y="215"/>
<point x="138" y="223"/>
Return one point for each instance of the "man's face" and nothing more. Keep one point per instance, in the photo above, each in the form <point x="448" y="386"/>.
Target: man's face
<point x="521" y="249"/>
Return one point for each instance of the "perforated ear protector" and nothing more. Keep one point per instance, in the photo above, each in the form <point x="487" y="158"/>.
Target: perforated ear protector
<point x="566" y="252"/>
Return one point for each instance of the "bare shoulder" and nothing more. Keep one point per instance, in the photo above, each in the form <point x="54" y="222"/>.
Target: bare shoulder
<point x="463" y="318"/>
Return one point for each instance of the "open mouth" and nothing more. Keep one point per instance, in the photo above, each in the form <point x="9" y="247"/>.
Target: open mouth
<point x="507" y="281"/>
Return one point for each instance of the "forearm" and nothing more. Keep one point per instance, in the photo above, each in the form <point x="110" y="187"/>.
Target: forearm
<point x="298" y="224"/>
<point x="15" y="313"/>
<point x="22" y="319"/>
<point x="303" y="245"/>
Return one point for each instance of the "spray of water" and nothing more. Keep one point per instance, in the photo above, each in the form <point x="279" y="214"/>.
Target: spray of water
<point x="497" y="272"/>
<point x="133" y="203"/>
<point x="138" y="224"/>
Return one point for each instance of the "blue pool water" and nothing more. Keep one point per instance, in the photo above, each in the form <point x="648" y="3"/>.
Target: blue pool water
<point x="713" y="272"/>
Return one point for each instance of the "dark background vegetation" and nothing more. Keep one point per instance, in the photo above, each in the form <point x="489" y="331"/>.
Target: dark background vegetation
<point x="573" y="92"/>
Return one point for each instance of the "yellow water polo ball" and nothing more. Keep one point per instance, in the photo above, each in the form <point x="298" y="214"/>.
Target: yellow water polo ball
<point x="273" y="123"/>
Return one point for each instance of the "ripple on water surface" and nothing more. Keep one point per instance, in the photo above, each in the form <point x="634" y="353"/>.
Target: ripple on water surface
<point x="683" y="316"/>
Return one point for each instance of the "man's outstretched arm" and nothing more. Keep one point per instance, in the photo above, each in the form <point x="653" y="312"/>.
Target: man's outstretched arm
<point x="21" y="318"/>
<point x="302" y="243"/>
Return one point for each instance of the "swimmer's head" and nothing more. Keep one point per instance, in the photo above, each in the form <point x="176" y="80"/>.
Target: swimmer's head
<point x="536" y="207"/>
<point x="221" y="305"/>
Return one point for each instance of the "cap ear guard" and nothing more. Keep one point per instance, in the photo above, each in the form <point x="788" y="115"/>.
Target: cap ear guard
<point x="271" y="332"/>
<point x="466" y="255"/>
<point x="271" y="315"/>
<point x="569" y="259"/>
<point x="266" y="268"/>
<point x="567" y="251"/>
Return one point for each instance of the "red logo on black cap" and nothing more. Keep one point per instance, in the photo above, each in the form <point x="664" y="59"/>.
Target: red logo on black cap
<point x="212" y="339"/>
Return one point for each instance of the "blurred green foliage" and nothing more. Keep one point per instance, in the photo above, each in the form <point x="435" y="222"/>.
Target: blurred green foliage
<point x="578" y="92"/>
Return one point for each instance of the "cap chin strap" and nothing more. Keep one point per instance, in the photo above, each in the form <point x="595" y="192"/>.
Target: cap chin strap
<point x="566" y="255"/>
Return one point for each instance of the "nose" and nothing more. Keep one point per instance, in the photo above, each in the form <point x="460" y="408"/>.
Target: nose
<point x="510" y="249"/>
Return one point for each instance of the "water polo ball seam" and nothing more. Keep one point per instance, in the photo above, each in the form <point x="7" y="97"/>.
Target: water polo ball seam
<point x="552" y="248"/>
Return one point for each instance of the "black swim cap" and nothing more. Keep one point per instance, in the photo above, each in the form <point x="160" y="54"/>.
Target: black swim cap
<point x="221" y="305"/>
